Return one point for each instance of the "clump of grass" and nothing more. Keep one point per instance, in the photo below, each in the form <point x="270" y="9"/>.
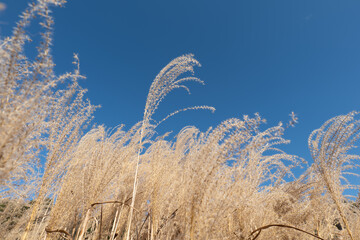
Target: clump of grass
<point x="330" y="146"/>
<point x="41" y="115"/>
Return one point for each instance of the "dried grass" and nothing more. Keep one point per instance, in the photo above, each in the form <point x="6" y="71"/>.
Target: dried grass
<point x="229" y="182"/>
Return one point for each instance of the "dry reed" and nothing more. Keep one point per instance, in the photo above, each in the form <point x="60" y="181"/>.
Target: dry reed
<point x="230" y="182"/>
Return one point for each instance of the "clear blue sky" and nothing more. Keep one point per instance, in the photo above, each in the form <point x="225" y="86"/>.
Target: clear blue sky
<point x="271" y="57"/>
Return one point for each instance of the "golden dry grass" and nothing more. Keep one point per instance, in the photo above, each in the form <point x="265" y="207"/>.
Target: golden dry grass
<point x="229" y="182"/>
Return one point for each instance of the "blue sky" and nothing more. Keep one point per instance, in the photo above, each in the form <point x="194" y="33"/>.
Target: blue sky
<point x="271" y="57"/>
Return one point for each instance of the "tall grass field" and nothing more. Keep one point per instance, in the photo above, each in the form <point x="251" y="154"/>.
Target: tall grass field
<point x="64" y="177"/>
